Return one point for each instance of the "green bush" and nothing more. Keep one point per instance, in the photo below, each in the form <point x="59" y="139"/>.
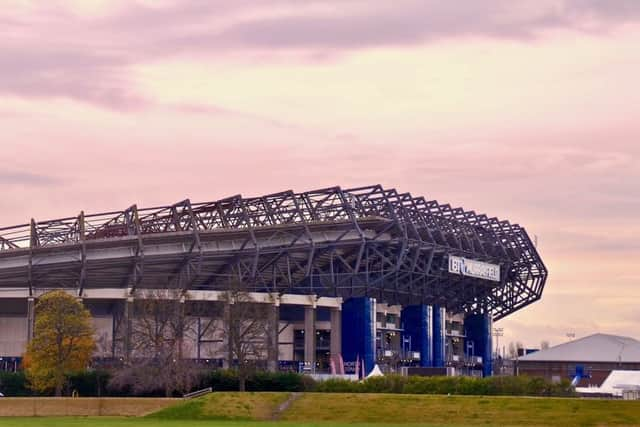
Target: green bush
<point x="270" y="381"/>
<point x="89" y="383"/>
<point x="506" y="386"/>
<point x="14" y="384"/>
<point x="94" y="383"/>
<point x="337" y="386"/>
<point x="227" y="380"/>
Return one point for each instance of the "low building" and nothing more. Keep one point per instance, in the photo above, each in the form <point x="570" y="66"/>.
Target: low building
<point x="586" y="361"/>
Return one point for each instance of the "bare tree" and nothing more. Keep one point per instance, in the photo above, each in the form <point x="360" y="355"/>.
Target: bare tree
<point x="163" y="330"/>
<point x="248" y="331"/>
<point x="158" y="345"/>
<point x="515" y="348"/>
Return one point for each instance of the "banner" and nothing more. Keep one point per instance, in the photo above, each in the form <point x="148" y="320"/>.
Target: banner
<point x="472" y="268"/>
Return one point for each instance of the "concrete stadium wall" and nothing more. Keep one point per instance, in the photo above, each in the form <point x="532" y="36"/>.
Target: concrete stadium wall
<point x="13" y="336"/>
<point x="81" y="407"/>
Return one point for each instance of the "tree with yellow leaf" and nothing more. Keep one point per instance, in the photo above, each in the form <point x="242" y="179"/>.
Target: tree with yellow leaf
<point x="62" y="341"/>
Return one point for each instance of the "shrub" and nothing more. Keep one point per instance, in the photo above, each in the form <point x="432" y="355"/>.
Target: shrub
<point x="227" y="380"/>
<point x="14" y="384"/>
<point x="270" y="381"/>
<point x="89" y="383"/>
<point x="94" y="383"/>
<point x="337" y="386"/>
<point x="508" y="386"/>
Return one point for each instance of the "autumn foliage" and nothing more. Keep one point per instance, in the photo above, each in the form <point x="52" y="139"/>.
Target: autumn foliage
<point x="62" y="343"/>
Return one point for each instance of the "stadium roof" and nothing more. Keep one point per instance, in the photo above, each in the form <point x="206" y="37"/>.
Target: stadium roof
<point x="367" y="241"/>
<point x="593" y="348"/>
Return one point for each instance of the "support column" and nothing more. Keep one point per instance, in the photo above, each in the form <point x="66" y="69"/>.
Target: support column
<point x="439" y="331"/>
<point x="478" y="330"/>
<point x="310" y="336"/>
<point x="335" y="346"/>
<point x="127" y="320"/>
<point x="359" y="331"/>
<point x="227" y="361"/>
<point x="417" y="322"/>
<point x="31" y="318"/>
<point x="273" y="331"/>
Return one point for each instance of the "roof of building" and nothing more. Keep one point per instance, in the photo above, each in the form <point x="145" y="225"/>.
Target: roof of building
<point x="592" y="348"/>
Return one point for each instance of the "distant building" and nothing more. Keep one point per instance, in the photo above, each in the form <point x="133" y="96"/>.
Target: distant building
<point x="588" y="361"/>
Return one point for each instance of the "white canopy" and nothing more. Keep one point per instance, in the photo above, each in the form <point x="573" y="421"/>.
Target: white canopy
<point x="375" y="372"/>
<point x="616" y="382"/>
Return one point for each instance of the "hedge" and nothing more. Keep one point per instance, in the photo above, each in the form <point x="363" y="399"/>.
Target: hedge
<point x="507" y="386"/>
<point x="14" y="384"/>
<point x="227" y="380"/>
<point x="95" y="383"/>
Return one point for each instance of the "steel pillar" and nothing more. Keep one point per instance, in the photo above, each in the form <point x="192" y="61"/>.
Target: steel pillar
<point x="417" y="322"/>
<point x="439" y="331"/>
<point x="478" y="330"/>
<point x="359" y="331"/>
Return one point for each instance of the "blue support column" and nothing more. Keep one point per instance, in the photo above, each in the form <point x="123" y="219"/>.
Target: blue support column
<point x="439" y="330"/>
<point x="417" y="323"/>
<point x="359" y="331"/>
<point x="478" y="331"/>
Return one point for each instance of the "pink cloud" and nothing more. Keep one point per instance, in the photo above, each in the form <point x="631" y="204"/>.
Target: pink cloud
<point x="557" y="153"/>
<point x="88" y="58"/>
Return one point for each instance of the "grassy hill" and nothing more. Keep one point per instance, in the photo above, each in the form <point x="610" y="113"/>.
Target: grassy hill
<point x="407" y="409"/>
<point x="383" y="410"/>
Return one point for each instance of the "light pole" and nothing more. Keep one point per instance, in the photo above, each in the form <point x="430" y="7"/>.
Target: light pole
<point x="498" y="332"/>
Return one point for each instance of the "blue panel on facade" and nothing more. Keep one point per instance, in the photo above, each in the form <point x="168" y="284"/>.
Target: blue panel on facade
<point x="439" y="329"/>
<point x="478" y="332"/>
<point x="358" y="331"/>
<point x="417" y="322"/>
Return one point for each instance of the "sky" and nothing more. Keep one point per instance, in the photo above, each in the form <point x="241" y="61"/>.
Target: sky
<point x="525" y="110"/>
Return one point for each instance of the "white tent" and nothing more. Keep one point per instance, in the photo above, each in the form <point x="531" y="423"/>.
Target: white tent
<point x="616" y="383"/>
<point x="375" y="372"/>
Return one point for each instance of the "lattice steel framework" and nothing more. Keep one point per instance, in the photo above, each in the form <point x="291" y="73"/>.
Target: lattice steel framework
<point x="330" y="242"/>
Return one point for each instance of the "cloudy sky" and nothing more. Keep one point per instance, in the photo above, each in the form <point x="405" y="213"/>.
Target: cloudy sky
<point x="528" y="111"/>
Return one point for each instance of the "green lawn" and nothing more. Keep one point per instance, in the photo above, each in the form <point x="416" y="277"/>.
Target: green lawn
<point x="383" y="410"/>
<point x="463" y="410"/>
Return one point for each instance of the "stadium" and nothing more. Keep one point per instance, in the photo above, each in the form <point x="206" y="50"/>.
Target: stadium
<point x="363" y="274"/>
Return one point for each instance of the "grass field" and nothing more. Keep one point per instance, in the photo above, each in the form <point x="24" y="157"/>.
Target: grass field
<point x="383" y="410"/>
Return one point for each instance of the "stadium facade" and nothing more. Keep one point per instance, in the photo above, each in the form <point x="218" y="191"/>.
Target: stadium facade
<point x="365" y="274"/>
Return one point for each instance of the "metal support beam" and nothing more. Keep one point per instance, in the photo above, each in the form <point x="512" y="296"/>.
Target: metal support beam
<point x="83" y="254"/>
<point x="334" y="242"/>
